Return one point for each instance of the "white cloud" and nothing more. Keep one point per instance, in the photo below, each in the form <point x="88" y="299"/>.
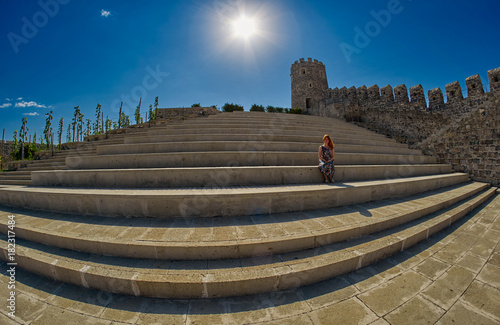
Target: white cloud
<point x="5" y="105"/>
<point x="30" y="104"/>
<point x="31" y="114"/>
<point x="7" y="99"/>
<point x="105" y="13"/>
<point x="20" y="98"/>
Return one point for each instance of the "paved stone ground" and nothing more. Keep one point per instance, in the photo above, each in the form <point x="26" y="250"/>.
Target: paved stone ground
<point x="451" y="278"/>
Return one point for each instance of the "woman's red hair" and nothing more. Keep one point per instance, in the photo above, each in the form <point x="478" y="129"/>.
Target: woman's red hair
<point x="330" y="142"/>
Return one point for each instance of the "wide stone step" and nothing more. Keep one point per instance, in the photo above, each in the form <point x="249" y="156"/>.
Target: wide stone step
<point x="250" y="137"/>
<point x="25" y="175"/>
<point x="265" y="130"/>
<point x="15" y="182"/>
<point x="265" y="124"/>
<point x="236" y="158"/>
<point x="225" y="176"/>
<point x="199" y="279"/>
<point x="203" y="146"/>
<point x="244" y="237"/>
<point x="215" y="202"/>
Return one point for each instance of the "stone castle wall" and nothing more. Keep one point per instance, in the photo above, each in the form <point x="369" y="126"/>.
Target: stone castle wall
<point x="464" y="131"/>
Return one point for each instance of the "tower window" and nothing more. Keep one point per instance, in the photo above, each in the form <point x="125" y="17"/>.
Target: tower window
<point x="303" y="71"/>
<point x="310" y="85"/>
<point x="308" y="102"/>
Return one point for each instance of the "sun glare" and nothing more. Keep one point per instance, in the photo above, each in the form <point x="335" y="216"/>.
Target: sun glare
<point x="244" y="27"/>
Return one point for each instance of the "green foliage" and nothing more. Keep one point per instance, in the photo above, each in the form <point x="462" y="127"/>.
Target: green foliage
<point x="214" y="106"/>
<point x="48" y="127"/>
<point x="271" y="109"/>
<point x="75" y="123"/>
<point x="108" y="124"/>
<point x="137" y="115"/>
<point x="15" y="142"/>
<point x="88" y="131"/>
<point x="232" y="107"/>
<point x="124" y="120"/>
<point x="60" y="131"/>
<point x="33" y="148"/>
<point x="257" y="108"/>
<point x="152" y="115"/>
<point x="156" y="107"/>
<point x="295" y="110"/>
<point x="196" y="105"/>
<point x="98" y="116"/>
<point x="22" y="134"/>
<point x="68" y="133"/>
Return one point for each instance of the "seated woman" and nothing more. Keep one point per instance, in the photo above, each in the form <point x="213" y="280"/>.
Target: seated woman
<point x="326" y="155"/>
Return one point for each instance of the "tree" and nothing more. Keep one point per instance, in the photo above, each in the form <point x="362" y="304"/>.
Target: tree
<point x="97" y="124"/>
<point x="156" y="107"/>
<point x="60" y="131"/>
<point x="80" y="126"/>
<point x="48" y="128"/>
<point x="32" y="148"/>
<point x="88" y="131"/>
<point x="295" y="110"/>
<point x="152" y="115"/>
<point x="22" y="134"/>
<point x="124" y="121"/>
<point x="75" y="121"/>
<point x="13" y="153"/>
<point x="232" y="107"/>
<point x="257" y="108"/>
<point x="196" y="105"/>
<point x="68" y="134"/>
<point x="271" y="109"/>
<point x="109" y="124"/>
<point x="138" y="118"/>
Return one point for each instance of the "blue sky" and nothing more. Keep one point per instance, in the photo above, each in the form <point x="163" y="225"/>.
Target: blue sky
<point x="58" y="54"/>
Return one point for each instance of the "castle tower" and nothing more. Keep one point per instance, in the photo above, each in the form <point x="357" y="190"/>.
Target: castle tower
<point x="309" y="84"/>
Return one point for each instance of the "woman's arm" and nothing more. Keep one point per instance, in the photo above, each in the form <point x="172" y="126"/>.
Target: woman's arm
<point x="319" y="154"/>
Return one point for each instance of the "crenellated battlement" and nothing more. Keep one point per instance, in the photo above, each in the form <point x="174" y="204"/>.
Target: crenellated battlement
<point x="458" y="126"/>
<point x="402" y="99"/>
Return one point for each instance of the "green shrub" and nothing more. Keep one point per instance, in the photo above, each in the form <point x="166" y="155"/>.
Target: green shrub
<point x="232" y="107"/>
<point x="295" y="110"/>
<point x="257" y="108"/>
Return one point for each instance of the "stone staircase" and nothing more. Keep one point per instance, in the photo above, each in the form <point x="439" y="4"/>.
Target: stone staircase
<point x="20" y="173"/>
<point x="230" y="205"/>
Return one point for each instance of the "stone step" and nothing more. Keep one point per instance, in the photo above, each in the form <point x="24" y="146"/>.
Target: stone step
<point x="25" y="175"/>
<point x="47" y="167"/>
<point x="15" y="182"/>
<point x="225" y="176"/>
<point x="312" y="131"/>
<point x="236" y="158"/>
<point x="219" y="202"/>
<point x="416" y="284"/>
<point x="203" y="146"/>
<point x="202" y="279"/>
<point x="243" y="237"/>
<point x="264" y="124"/>
<point x="250" y="137"/>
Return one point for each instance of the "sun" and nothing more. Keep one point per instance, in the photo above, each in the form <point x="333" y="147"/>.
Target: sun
<point x="244" y="27"/>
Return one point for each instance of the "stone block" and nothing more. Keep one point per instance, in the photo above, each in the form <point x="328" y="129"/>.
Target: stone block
<point x="494" y="78"/>
<point x="474" y="86"/>
<point x="401" y="94"/>
<point x="387" y="94"/>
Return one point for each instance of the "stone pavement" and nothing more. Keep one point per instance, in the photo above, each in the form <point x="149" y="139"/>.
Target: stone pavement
<point x="451" y="278"/>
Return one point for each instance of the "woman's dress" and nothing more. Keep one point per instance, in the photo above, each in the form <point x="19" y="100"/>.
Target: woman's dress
<point x="328" y="169"/>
